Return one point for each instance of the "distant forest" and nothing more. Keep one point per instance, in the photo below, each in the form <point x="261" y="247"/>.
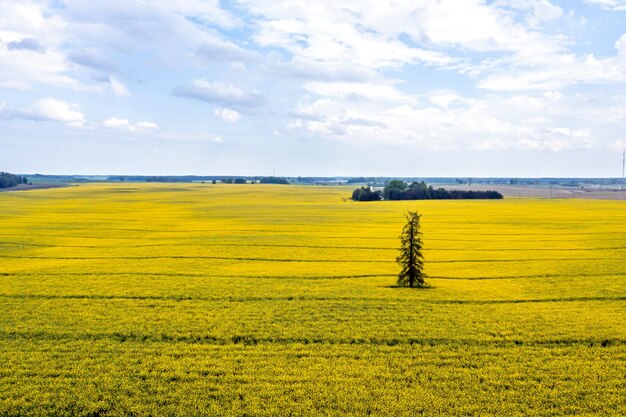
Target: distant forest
<point x="264" y="180"/>
<point x="399" y="190"/>
<point x="10" y="180"/>
<point x="376" y="182"/>
<point x="274" y="180"/>
<point x="226" y="180"/>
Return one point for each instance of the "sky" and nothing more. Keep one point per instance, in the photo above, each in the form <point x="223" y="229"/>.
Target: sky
<point x="504" y="88"/>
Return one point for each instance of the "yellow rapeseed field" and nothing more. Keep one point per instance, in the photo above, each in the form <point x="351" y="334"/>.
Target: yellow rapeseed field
<point x="200" y="299"/>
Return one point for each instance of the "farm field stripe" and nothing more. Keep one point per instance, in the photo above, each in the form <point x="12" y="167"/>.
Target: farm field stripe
<point x="253" y="340"/>
<point x="305" y="298"/>
<point x="289" y="231"/>
<point x="504" y="277"/>
<point x="188" y="275"/>
<point x="91" y="258"/>
<point x="304" y="277"/>
<point x="244" y="245"/>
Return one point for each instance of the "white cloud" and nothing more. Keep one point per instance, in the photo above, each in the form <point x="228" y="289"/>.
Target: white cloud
<point x="24" y="59"/>
<point x="609" y="4"/>
<point x="559" y="71"/>
<point x="220" y="93"/>
<point x="546" y="121"/>
<point x="125" y="124"/>
<point x="219" y="50"/>
<point x="56" y="110"/>
<point x="367" y="37"/>
<point x="70" y="46"/>
<point x="15" y="85"/>
<point x="471" y="24"/>
<point x="28" y="44"/>
<point x="20" y="69"/>
<point x="358" y="91"/>
<point x="20" y="20"/>
<point x="118" y="88"/>
<point x="620" y="45"/>
<point x="189" y="137"/>
<point x="370" y="33"/>
<point x="444" y="98"/>
<point x="353" y="34"/>
<point x="540" y="10"/>
<point x="229" y="115"/>
<point x="45" y="109"/>
<point x="91" y="58"/>
<point x="146" y="125"/>
<point x="206" y="11"/>
<point x="114" y="122"/>
<point x="170" y="31"/>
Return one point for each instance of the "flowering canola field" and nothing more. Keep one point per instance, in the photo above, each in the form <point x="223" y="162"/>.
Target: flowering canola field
<point x="199" y="299"/>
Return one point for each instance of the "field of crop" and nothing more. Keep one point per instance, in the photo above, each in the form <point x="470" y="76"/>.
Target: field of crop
<point x="199" y="299"/>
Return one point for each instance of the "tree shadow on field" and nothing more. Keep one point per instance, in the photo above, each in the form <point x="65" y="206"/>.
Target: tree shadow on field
<point x="400" y="287"/>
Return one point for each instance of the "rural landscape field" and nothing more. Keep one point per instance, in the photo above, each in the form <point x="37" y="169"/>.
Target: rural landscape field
<point x="200" y="299"/>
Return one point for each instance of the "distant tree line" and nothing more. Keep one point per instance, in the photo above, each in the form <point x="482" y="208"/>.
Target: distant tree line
<point x="399" y="190"/>
<point x="366" y="194"/>
<point x="265" y="180"/>
<point x="164" y="179"/>
<point x="11" y="180"/>
<point x="356" y="180"/>
<point x="236" y="181"/>
<point x="274" y="180"/>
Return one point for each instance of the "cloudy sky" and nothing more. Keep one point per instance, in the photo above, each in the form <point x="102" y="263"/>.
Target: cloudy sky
<point x="325" y="87"/>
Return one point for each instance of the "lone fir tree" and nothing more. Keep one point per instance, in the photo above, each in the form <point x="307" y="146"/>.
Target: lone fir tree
<point x="411" y="258"/>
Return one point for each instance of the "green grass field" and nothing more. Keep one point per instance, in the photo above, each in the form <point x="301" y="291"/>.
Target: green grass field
<point x="193" y="299"/>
